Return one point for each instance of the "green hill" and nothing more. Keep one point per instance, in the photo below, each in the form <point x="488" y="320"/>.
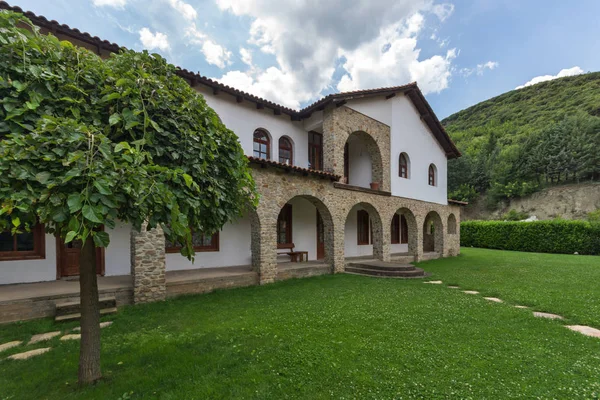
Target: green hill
<point x="522" y="140"/>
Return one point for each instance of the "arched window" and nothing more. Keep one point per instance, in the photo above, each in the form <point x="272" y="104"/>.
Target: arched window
<point x="262" y="144"/>
<point x="403" y="173"/>
<point x="432" y="170"/>
<point x="451" y="224"/>
<point x="286" y="151"/>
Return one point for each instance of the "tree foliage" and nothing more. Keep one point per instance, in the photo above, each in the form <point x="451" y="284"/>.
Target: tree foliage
<point x="87" y="142"/>
<point x="525" y="139"/>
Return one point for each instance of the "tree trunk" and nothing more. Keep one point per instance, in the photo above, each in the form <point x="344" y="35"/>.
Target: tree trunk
<point x="89" y="351"/>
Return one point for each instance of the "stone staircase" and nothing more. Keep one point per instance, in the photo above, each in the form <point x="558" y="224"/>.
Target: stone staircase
<point x="72" y="311"/>
<point x="384" y="269"/>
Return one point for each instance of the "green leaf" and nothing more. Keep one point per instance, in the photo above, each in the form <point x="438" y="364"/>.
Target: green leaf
<point x="102" y="188"/>
<point x="101" y="239"/>
<point x="74" y="202"/>
<point x="70" y="236"/>
<point x="114" y="119"/>
<point x="109" y="97"/>
<point x="188" y="180"/>
<point x="42" y="177"/>
<point x="123" y="145"/>
<point x="16" y="222"/>
<point x="90" y="214"/>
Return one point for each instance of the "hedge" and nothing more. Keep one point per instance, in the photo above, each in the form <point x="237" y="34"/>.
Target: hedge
<point x="565" y="237"/>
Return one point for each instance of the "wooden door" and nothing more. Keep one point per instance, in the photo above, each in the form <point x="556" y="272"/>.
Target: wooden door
<point x="320" y="237"/>
<point x="67" y="257"/>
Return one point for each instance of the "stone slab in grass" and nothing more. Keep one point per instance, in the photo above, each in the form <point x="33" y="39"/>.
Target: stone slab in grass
<point x="71" y="336"/>
<point x="43" y="336"/>
<point x="102" y="325"/>
<point x="470" y="291"/>
<point x="28" y="354"/>
<point x="521" y="307"/>
<point x="10" y="345"/>
<point x="434" y="282"/>
<point x="546" y="315"/>
<point x="586" y="330"/>
<point x="494" y="299"/>
<point x="453" y="287"/>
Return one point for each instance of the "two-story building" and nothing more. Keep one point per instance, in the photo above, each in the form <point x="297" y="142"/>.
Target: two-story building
<point x="356" y="174"/>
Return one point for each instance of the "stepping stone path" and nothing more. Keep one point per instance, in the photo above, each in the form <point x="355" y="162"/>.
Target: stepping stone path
<point x="29" y="354"/>
<point x="470" y="291"/>
<point x="521" y="307"/>
<point x="434" y="282"/>
<point x="546" y="315"/>
<point x="586" y="330"/>
<point x="43" y="336"/>
<point x="71" y="336"/>
<point x="9" y="345"/>
<point x="494" y="299"/>
<point x="102" y="325"/>
<point x="453" y="287"/>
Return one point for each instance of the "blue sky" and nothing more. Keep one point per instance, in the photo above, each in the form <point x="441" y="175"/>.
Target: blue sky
<point x="295" y="51"/>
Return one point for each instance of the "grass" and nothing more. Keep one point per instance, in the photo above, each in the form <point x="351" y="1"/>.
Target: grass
<point x="334" y="337"/>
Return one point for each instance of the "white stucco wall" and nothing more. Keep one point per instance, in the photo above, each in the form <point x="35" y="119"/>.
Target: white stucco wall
<point x="359" y="169"/>
<point x="23" y="271"/>
<point x="243" y="118"/>
<point x="117" y="256"/>
<point x="234" y="249"/>
<point x="351" y="247"/>
<point x="304" y="227"/>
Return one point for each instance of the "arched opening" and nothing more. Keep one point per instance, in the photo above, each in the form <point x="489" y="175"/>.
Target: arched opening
<point x="304" y="232"/>
<point x="261" y="144"/>
<point x="451" y="224"/>
<point x="432" y="175"/>
<point x="286" y="150"/>
<point x="363" y="233"/>
<point x="362" y="161"/>
<point x="403" y="233"/>
<point x="433" y="234"/>
<point x="404" y="166"/>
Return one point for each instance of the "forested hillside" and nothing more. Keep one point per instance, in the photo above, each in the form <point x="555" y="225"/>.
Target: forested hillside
<point x="523" y="140"/>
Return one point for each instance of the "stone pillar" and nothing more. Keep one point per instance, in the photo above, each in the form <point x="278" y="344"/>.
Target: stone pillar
<point x="148" y="265"/>
<point x="415" y="238"/>
<point x="264" y="246"/>
<point x="337" y="247"/>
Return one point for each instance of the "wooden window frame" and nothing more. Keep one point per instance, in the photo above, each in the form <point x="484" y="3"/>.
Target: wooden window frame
<point x="266" y="140"/>
<point x="363" y="228"/>
<point x="286" y="212"/>
<point x="289" y="147"/>
<point x="39" y="247"/>
<point x="316" y="164"/>
<point x="213" y="247"/>
<point x="395" y="229"/>
<point x="431" y="175"/>
<point x="403" y="168"/>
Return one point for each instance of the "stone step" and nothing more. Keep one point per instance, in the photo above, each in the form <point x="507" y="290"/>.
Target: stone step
<point x="75" y="316"/>
<point x="74" y="307"/>
<point x="415" y="273"/>
<point x="381" y="266"/>
<point x="403" y="259"/>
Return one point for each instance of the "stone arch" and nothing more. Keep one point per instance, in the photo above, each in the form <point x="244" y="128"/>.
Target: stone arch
<point x="451" y="224"/>
<point x="359" y="140"/>
<point x="328" y="224"/>
<point x="433" y="233"/>
<point x="381" y="250"/>
<point x="413" y="236"/>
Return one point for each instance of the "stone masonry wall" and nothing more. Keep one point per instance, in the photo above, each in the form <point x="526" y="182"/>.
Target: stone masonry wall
<point x="148" y="265"/>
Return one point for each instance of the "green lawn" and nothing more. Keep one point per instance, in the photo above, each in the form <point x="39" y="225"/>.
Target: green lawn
<point x="343" y="336"/>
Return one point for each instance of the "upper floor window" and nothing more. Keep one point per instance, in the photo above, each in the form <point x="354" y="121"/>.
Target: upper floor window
<point x="23" y="246"/>
<point x="200" y="241"/>
<point x="286" y="151"/>
<point x="315" y="150"/>
<point x="262" y="144"/>
<point x="403" y="172"/>
<point x="432" y="175"/>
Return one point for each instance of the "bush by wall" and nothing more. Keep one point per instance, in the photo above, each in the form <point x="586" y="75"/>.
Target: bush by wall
<point x="566" y="237"/>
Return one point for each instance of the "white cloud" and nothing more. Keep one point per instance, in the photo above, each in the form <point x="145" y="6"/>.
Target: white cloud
<point x="216" y="54"/>
<point x="562" y="73"/>
<point x="246" y="55"/>
<point x="152" y="41"/>
<point x="479" y="69"/>
<point x="186" y="10"/>
<point x="110" y="3"/>
<point x="308" y="41"/>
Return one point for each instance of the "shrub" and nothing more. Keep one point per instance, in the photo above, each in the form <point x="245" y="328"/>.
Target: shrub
<point x="514" y="215"/>
<point x="594" y="216"/>
<point x="558" y="236"/>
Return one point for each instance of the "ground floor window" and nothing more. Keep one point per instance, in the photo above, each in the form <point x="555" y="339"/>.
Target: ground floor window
<point x="284" y="226"/>
<point x="363" y="227"/>
<point x="200" y="241"/>
<point x="399" y="229"/>
<point x="23" y="246"/>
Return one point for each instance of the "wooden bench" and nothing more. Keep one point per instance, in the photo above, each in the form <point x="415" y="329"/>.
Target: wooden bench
<point x="295" y="256"/>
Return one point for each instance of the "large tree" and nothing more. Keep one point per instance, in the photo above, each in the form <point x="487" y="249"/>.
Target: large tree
<point x="85" y="143"/>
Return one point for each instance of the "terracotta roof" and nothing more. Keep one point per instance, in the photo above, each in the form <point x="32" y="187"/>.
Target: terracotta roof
<point x="294" y="168"/>
<point x="411" y="89"/>
<point x="458" y="202"/>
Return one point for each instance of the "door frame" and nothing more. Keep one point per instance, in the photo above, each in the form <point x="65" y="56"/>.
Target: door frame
<point x="100" y="258"/>
<point x="318" y="252"/>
